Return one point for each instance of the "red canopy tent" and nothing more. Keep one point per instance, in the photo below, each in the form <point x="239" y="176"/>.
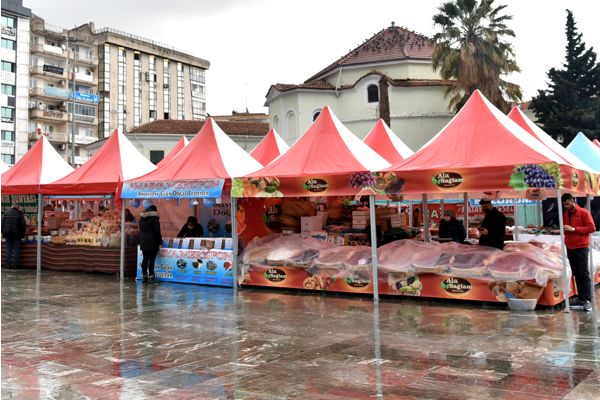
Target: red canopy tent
<point x="271" y="147"/>
<point x="327" y="160"/>
<point x="116" y="161"/>
<point x="180" y="146"/>
<point x="39" y="166"/>
<point x="596" y="142"/>
<point x="387" y="144"/>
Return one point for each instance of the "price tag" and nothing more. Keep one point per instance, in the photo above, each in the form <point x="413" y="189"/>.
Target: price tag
<point x="176" y="243"/>
<point x="185" y="244"/>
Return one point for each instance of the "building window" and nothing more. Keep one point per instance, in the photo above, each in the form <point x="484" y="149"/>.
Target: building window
<point x="180" y="93"/>
<point x="8" y="135"/>
<point x="122" y="70"/>
<point x="82" y="109"/>
<point x="373" y="94"/>
<point x="8" y="22"/>
<point x="8" y="114"/>
<point x="198" y="90"/>
<point x="8" y="66"/>
<point x="315" y="114"/>
<point x="9" y="44"/>
<point x="8" y="90"/>
<point x="167" y="89"/>
<point x="156" y="156"/>
<point x="137" y="89"/>
<point x="290" y="126"/>
<point x="276" y="123"/>
<point x="151" y="78"/>
<point x="8" y="158"/>
<point x="104" y="88"/>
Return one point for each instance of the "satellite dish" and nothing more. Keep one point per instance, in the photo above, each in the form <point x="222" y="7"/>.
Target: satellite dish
<point x="63" y="47"/>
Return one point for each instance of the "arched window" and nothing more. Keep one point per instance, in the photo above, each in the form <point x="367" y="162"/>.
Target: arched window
<point x="373" y="94"/>
<point x="290" y="126"/>
<point x="315" y="114"/>
<point x="276" y="123"/>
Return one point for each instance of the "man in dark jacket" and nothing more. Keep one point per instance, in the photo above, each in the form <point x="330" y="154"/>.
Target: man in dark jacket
<point x="150" y="241"/>
<point x="578" y="225"/>
<point x="13" y="229"/>
<point x="493" y="227"/>
<point x="192" y="229"/>
<point x="451" y="228"/>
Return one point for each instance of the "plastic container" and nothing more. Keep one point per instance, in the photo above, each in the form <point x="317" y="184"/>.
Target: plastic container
<point x="521" y="304"/>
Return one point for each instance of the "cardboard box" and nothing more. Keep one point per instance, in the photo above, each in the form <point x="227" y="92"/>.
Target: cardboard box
<point x="360" y="214"/>
<point x="54" y="221"/>
<point x="311" y="223"/>
<point x="319" y="235"/>
<point x="324" y="215"/>
<point x="305" y="234"/>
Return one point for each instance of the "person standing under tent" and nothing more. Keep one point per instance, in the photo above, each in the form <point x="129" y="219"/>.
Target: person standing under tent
<point x="13" y="230"/>
<point x="150" y="241"/>
<point x="192" y="229"/>
<point x="579" y="224"/>
<point x="493" y="227"/>
<point x="451" y="228"/>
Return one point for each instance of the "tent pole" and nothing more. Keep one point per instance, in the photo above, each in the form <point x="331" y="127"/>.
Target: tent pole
<point x="425" y="210"/>
<point x="466" y="212"/>
<point x="539" y="214"/>
<point x="516" y="234"/>
<point x="39" y="235"/>
<point x="122" y="266"/>
<point x="112" y="201"/>
<point x="589" y="207"/>
<point x="442" y="208"/>
<point x="373" y="222"/>
<point x="567" y="284"/>
<point x="410" y="213"/>
<point x="234" y="244"/>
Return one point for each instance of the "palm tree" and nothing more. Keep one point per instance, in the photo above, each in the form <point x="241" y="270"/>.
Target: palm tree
<point x="470" y="49"/>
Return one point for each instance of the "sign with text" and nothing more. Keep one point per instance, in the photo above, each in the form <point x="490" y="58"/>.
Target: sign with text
<point x="57" y="92"/>
<point x="209" y="188"/>
<point x="28" y="204"/>
<point x="81" y="96"/>
<point x="204" y="267"/>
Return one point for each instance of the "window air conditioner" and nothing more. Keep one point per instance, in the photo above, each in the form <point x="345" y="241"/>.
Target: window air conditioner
<point x="64" y="103"/>
<point x="166" y="86"/>
<point x="62" y="147"/>
<point x="63" y="82"/>
<point x="147" y="76"/>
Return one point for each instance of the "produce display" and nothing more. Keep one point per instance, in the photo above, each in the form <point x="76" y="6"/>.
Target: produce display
<point x="404" y="260"/>
<point x="99" y="231"/>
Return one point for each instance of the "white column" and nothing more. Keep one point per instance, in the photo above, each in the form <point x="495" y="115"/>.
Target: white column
<point x="516" y="236"/>
<point x="539" y="214"/>
<point x="373" y="222"/>
<point x="589" y="207"/>
<point x="122" y="266"/>
<point x="425" y="210"/>
<point x="234" y="243"/>
<point x="39" y="236"/>
<point x="410" y="213"/>
<point x="466" y="212"/>
<point x="567" y="282"/>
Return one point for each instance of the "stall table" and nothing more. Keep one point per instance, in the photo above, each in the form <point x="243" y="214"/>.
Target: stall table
<point x="75" y="258"/>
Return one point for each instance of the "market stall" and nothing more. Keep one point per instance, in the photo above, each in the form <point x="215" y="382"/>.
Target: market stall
<point x="180" y="146"/>
<point x="39" y="166"/>
<point x="201" y="172"/>
<point x="116" y="161"/>
<point x="505" y="162"/>
<point x="313" y="185"/>
<point x="585" y="150"/>
<point x="271" y="147"/>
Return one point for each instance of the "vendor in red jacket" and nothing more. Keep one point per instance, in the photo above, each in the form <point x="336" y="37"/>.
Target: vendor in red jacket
<point x="578" y="225"/>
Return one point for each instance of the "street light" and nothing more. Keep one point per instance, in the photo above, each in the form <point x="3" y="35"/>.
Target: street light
<point x="73" y="41"/>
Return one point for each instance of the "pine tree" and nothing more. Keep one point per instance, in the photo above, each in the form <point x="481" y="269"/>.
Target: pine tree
<point x="571" y="104"/>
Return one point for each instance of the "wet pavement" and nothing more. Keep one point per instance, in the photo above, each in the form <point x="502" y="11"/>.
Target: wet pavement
<point x="86" y="336"/>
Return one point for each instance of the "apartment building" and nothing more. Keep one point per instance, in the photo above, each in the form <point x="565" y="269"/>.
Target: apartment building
<point x="14" y="78"/>
<point x="55" y="53"/>
<point x="141" y="80"/>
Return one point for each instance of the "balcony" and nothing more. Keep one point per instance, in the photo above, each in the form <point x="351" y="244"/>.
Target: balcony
<point x="47" y="115"/>
<point x="54" y="137"/>
<point x="90" y="79"/>
<point x="44" y="29"/>
<point x="48" y="50"/>
<point x="84" y="58"/>
<point x="49" y="72"/>
<point x="49" y="93"/>
<point x="84" y="119"/>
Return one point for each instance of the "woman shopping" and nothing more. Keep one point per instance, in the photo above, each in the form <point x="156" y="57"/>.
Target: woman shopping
<point x="150" y="241"/>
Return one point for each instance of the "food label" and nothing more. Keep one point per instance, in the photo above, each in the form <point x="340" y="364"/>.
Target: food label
<point x="316" y="185"/>
<point x="359" y="282"/>
<point x="185" y="244"/>
<point x="447" y="180"/>
<point x="456" y="285"/>
<point x="275" y="275"/>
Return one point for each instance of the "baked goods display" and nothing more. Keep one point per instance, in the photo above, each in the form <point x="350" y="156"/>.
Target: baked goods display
<point x="99" y="231"/>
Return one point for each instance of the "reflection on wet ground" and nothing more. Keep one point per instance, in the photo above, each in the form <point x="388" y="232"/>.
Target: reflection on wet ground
<point x="86" y="336"/>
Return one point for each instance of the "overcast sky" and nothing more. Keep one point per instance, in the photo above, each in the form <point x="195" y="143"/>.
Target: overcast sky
<point x="252" y="44"/>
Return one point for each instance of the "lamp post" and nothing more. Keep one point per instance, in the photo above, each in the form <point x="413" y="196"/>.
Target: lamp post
<point x="73" y="41"/>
